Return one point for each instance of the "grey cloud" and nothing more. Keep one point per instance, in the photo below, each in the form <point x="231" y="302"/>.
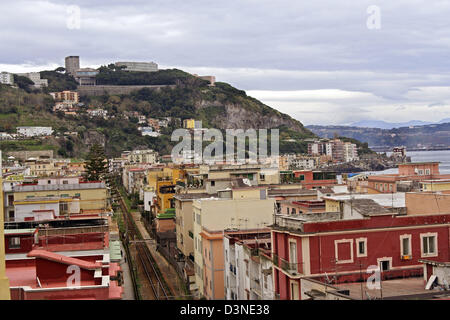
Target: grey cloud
<point x="253" y="44"/>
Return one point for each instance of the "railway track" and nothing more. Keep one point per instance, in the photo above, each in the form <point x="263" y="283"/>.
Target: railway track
<point x="145" y="257"/>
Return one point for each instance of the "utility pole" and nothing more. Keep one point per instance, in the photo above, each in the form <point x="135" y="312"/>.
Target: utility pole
<point x="362" y="280"/>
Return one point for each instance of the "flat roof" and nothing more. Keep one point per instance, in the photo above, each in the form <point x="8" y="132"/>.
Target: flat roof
<point x="436" y="181"/>
<point x="391" y="288"/>
<point x="396" y="200"/>
<point x="415" y="163"/>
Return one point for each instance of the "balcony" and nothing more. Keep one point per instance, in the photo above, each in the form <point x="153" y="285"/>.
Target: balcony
<point x="292" y="268"/>
<point x="255" y="286"/>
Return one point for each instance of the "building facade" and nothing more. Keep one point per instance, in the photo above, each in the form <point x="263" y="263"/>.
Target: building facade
<point x="138" y="66"/>
<point x="6" y="78"/>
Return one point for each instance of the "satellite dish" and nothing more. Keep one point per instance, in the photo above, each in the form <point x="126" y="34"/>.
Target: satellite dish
<point x="247" y="182"/>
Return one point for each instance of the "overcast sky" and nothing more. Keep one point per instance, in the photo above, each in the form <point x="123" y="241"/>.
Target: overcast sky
<point x="322" y="62"/>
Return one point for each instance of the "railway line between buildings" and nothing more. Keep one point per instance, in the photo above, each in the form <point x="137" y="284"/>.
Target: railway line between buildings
<point x="152" y="274"/>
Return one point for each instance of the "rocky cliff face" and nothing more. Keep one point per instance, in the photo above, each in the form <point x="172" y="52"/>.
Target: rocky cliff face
<point x="245" y="116"/>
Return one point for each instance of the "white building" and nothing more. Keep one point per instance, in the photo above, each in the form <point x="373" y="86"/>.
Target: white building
<point x="149" y="195"/>
<point x="7" y="78"/>
<point x="350" y="152"/>
<point x="248" y="266"/>
<point x="36" y="78"/>
<point x="148" y="131"/>
<point x="143" y="156"/>
<point x="138" y="66"/>
<point x="34" y="131"/>
<point x="303" y="163"/>
<point x="44" y="208"/>
<point x="102" y="113"/>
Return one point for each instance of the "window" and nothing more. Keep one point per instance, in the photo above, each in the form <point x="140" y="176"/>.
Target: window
<point x="65" y="182"/>
<point x="420" y="172"/>
<point x="213" y="183"/>
<point x="344" y="250"/>
<point x="63" y="207"/>
<point x="292" y="251"/>
<point x="10" y="200"/>
<point x="427" y="171"/>
<point x="361" y="247"/>
<point x="429" y="244"/>
<point x="14" y="243"/>
<point x="293" y="211"/>
<point x="405" y="245"/>
<point x="384" y="265"/>
<point x="262" y="177"/>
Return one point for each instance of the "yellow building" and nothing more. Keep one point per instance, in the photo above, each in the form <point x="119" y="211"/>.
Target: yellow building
<point x="165" y="190"/>
<point x="435" y="185"/>
<point x="4" y="282"/>
<point x="189" y="124"/>
<point x="93" y="195"/>
<point x="42" y="168"/>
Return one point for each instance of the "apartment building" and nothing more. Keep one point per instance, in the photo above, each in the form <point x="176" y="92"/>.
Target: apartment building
<point x="143" y="156"/>
<point x="248" y="265"/>
<point x="350" y="152"/>
<point x="65" y="96"/>
<point x="184" y="221"/>
<point x="220" y="176"/>
<point x="62" y="196"/>
<point x="332" y="250"/>
<point x="6" y="78"/>
<point x="241" y="207"/>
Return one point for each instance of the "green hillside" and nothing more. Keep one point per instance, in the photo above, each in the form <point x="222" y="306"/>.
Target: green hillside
<point x="221" y="106"/>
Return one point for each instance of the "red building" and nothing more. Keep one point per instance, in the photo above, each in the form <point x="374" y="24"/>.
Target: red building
<point x="342" y="250"/>
<point x="42" y="260"/>
<point x="315" y="179"/>
<point x="46" y="275"/>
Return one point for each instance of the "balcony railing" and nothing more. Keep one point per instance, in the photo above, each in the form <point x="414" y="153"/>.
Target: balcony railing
<point x="293" y="268"/>
<point x="255" y="286"/>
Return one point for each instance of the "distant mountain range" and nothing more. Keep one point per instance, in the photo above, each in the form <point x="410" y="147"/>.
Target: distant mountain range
<point x="429" y="136"/>
<point x="391" y="125"/>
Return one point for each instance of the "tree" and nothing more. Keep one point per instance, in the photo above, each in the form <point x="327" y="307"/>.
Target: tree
<point x="96" y="164"/>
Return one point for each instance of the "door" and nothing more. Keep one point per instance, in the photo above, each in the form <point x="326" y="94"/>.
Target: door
<point x="295" y="294"/>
